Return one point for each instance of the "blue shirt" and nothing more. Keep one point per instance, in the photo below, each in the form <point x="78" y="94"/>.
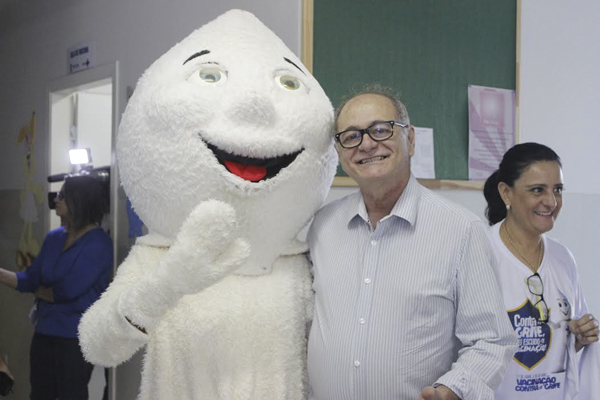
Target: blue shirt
<point x="77" y="276"/>
<point x="411" y="303"/>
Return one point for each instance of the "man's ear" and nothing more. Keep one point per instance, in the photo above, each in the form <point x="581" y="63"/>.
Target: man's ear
<point x="410" y="136"/>
<point x="505" y="192"/>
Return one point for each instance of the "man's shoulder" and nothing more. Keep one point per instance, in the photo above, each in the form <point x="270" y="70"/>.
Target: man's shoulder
<point x="338" y="206"/>
<point x="335" y="212"/>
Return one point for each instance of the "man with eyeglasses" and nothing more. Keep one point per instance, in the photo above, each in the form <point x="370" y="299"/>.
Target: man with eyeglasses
<point x="406" y="302"/>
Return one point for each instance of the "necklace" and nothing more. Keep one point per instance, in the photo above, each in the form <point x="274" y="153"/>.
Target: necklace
<point x="540" y="246"/>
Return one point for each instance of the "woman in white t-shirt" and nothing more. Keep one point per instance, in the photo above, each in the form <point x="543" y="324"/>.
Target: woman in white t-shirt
<point x="539" y="280"/>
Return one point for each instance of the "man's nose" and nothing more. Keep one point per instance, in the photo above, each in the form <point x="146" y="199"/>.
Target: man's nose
<point x="367" y="143"/>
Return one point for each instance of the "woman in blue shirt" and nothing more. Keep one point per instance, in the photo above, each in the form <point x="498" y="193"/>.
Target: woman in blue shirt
<point x="70" y="273"/>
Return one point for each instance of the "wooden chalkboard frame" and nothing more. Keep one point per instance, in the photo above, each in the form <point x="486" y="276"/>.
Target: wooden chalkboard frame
<point x="307" y="59"/>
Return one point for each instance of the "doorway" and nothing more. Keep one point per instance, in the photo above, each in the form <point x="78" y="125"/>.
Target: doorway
<point x="83" y="113"/>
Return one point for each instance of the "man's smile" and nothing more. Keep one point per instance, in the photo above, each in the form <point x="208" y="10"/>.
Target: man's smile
<point x="372" y="159"/>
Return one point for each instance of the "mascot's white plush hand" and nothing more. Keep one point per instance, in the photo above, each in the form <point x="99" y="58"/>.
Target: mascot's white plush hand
<point x="205" y="251"/>
<point x="207" y="248"/>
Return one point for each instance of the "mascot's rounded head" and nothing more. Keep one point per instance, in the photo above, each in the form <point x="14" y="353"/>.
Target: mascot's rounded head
<point x="229" y="113"/>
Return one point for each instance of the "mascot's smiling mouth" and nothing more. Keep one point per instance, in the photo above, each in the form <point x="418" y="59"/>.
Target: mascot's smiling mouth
<point x="252" y="169"/>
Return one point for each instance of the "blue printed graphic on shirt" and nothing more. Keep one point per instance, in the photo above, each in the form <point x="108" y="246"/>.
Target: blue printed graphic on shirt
<point x="535" y="338"/>
<point x="533" y="383"/>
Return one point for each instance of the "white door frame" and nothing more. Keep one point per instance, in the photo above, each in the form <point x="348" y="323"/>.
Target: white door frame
<point x="80" y="81"/>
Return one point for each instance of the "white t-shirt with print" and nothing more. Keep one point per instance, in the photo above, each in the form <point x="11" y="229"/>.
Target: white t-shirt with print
<point x="538" y="368"/>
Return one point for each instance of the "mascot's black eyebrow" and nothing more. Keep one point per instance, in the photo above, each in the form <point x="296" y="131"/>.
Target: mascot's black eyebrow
<point x="203" y="52"/>
<point x="291" y="62"/>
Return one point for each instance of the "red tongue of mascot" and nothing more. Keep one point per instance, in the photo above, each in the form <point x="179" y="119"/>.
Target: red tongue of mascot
<point x="251" y="173"/>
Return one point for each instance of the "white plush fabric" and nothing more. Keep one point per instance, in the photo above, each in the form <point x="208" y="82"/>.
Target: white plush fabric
<point x="220" y="285"/>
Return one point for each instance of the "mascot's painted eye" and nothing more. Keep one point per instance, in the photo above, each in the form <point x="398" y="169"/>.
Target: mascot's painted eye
<point x="288" y="82"/>
<point x="211" y="75"/>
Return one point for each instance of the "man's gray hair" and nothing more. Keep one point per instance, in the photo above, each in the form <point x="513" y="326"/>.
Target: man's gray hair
<point x="377" y="89"/>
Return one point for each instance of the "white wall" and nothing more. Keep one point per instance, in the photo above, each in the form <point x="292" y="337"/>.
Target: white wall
<point x="94" y="126"/>
<point x="560" y="84"/>
<point x="60" y="142"/>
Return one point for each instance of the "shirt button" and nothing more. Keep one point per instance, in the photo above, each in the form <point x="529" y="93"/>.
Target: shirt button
<point x="356" y="363"/>
<point x="373" y="242"/>
<point x="362" y="321"/>
<point x="368" y="280"/>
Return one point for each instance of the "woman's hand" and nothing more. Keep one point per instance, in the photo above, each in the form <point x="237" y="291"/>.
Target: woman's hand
<point x="439" y="393"/>
<point x="8" y="278"/>
<point x="4" y="367"/>
<point x="585" y="330"/>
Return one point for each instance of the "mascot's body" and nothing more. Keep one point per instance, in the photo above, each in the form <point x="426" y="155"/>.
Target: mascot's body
<point x="225" y="151"/>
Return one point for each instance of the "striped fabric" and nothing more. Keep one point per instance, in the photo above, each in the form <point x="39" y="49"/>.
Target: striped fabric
<point x="411" y="303"/>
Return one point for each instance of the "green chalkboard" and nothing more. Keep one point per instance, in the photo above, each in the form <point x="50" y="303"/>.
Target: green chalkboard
<point x="427" y="50"/>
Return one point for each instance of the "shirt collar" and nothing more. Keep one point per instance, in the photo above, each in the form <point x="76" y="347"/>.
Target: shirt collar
<point x="406" y="207"/>
<point x="355" y="207"/>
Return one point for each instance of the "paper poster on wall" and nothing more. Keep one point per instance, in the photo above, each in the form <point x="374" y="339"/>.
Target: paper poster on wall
<point x="422" y="163"/>
<point x="32" y="196"/>
<point x="491" y="128"/>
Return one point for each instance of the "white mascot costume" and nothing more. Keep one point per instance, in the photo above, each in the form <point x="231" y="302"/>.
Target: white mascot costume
<point x="225" y="151"/>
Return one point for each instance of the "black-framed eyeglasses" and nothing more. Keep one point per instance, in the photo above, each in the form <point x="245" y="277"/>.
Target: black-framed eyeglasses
<point x="378" y="132"/>
<point x="536" y="287"/>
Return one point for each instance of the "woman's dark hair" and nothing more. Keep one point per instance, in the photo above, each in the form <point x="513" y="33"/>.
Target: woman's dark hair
<point x="86" y="199"/>
<point x="515" y="161"/>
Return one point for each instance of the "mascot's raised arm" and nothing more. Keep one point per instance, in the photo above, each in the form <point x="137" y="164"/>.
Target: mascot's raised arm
<point x="225" y="151"/>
